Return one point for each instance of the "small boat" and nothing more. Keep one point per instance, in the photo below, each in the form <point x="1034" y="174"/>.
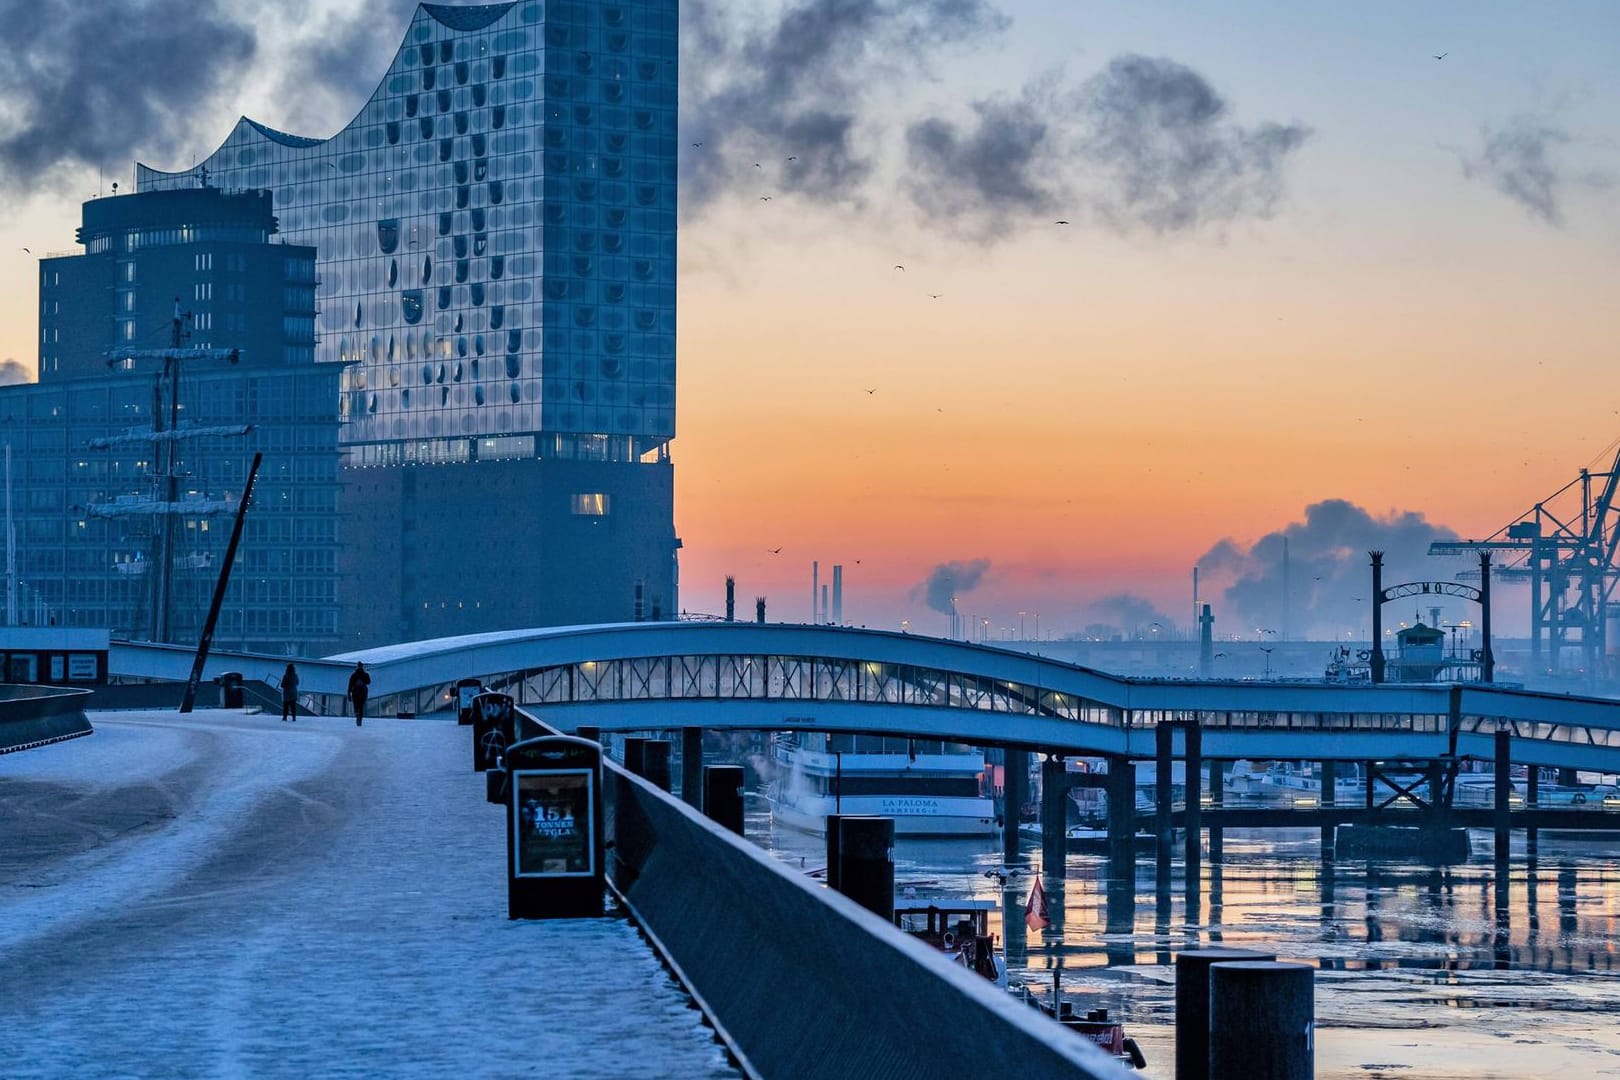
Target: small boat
<point x="1090" y="838"/>
<point x="957" y="927"/>
<point x="1108" y="1034"/>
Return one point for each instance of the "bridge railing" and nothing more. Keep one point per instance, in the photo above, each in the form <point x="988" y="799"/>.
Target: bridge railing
<point x="799" y="980"/>
<point x="32" y="716"/>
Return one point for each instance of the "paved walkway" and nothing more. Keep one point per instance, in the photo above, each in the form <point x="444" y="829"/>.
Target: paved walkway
<point x="230" y="895"/>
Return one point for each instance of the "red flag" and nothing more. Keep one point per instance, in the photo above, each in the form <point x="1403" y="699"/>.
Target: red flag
<point x="1035" y="913"/>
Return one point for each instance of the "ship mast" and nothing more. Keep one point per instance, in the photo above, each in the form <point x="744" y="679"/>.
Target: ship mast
<point x="166" y="433"/>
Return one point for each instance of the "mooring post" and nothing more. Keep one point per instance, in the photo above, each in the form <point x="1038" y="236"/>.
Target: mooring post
<point x="834" y="838"/>
<point x="1054" y="820"/>
<point x="1217" y="799"/>
<point x="1262" y="1021"/>
<point x="692" y="766"/>
<point x="1192" y="1005"/>
<point x="1014" y="785"/>
<point x="632" y="754"/>
<point x="655" y="763"/>
<point x="1193" y="848"/>
<point x="723" y="796"/>
<point x="866" y="863"/>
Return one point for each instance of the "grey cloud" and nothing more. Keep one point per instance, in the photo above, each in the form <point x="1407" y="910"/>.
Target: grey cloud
<point x="1147" y="143"/>
<point x="794" y="88"/>
<point x="1517" y="160"/>
<point x="1163" y="139"/>
<point x="89" y="85"/>
<point x="984" y="174"/>
<point x="1328" y="568"/>
<point x="13" y="372"/>
<point x="950" y="580"/>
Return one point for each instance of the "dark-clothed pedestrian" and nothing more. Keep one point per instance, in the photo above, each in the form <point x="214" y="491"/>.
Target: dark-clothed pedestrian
<point x="359" y="690"/>
<point x="289" y="694"/>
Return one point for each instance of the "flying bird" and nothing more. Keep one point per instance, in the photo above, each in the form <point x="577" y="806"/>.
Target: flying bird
<point x="757" y="165"/>
<point x="872" y="391"/>
<point x="29" y="252"/>
<point x="935" y="295"/>
<point x="764" y="198"/>
<point x="795" y="157"/>
<point x="774" y="551"/>
<point x="1060" y="223"/>
<point x="1442" y="56"/>
<point x="897" y="266"/>
<point x="696" y="145"/>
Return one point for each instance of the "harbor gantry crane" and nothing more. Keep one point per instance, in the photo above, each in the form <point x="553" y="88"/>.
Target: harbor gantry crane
<point x="1565" y="547"/>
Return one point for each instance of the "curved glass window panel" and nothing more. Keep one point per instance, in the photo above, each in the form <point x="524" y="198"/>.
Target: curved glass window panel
<point x="442" y="99"/>
<point x="479" y="93"/>
<point x="497" y="117"/>
<point x="497" y="267"/>
<point x="392" y="128"/>
<point x="476" y="290"/>
<point x="478" y="395"/>
<point x="359" y="315"/>
<point x="463" y="197"/>
<point x="411" y="306"/>
<point x="496" y="192"/>
<point x="515" y="393"/>
<point x="480" y="169"/>
<point x="427" y="269"/>
<point x="497" y="67"/>
<point x="428" y="78"/>
<point x="439" y="375"/>
<point x="497" y="316"/>
<point x="478" y="219"/>
<point x="426" y="52"/>
<point x="410" y="106"/>
<point x="460" y="169"/>
<point x="393" y="272"/>
<point x="446" y="297"/>
<point x="480" y="245"/>
<point x="461" y="271"/>
<point x="460" y="247"/>
<point x="461" y="123"/>
<point x="447" y="149"/>
<point x="480" y="144"/>
<point x="478" y="344"/>
<point x="456" y="373"/>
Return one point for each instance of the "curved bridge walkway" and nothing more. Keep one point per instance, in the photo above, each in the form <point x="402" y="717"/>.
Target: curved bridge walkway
<point x="665" y="675"/>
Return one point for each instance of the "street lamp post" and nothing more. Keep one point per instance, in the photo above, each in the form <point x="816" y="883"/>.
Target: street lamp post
<point x="1267" y="650"/>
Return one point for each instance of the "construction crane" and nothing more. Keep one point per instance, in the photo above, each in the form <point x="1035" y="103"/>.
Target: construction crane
<point x="1568" y="557"/>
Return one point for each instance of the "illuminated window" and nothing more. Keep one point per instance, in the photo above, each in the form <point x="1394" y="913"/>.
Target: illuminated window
<point x="592" y="504"/>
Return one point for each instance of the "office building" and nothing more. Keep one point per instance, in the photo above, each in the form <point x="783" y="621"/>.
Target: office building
<point x="176" y="346"/>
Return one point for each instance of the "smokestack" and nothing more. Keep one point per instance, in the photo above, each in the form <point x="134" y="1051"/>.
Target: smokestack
<point x="731" y="598"/>
<point x="1434" y="617"/>
<point x="1206" y="642"/>
<point x="759" y="610"/>
<point x="822" y="620"/>
<point x="640" y="591"/>
<point x="838" y="595"/>
<point x="657" y="609"/>
<point x="815" y="593"/>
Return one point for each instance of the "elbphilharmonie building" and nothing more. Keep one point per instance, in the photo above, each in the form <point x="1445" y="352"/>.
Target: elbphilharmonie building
<point x="495" y="238"/>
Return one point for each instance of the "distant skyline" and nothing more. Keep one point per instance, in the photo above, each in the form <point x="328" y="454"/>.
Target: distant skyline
<point x="1311" y="279"/>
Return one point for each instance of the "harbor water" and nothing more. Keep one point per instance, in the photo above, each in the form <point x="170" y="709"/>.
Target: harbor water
<point x="1419" y="974"/>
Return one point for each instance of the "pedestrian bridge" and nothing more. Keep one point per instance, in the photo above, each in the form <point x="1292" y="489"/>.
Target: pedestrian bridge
<point x="776" y="676"/>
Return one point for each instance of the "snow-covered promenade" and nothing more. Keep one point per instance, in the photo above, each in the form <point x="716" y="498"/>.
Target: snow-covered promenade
<point x="230" y="895"/>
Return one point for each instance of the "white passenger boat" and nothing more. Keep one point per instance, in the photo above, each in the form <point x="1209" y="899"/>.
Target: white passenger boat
<point x="929" y="787"/>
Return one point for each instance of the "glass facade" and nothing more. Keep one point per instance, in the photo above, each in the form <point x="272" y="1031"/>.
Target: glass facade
<point x="495" y="233"/>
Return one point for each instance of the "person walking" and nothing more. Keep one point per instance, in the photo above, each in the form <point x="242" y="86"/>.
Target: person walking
<point x="289" y="693"/>
<point x="359" y="690"/>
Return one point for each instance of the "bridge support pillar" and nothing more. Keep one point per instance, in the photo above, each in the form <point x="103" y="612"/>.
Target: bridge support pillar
<point x="1532" y="797"/>
<point x="1193" y="847"/>
<point x="1054" y="821"/>
<point x="1329" y="798"/>
<point x="692" y="767"/>
<point x="1014" y="788"/>
<point x="1162" y="781"/>
<point x="1121" y="791"/>
<point x="1501" y="817"/>
<point x="1217" y="798"/>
